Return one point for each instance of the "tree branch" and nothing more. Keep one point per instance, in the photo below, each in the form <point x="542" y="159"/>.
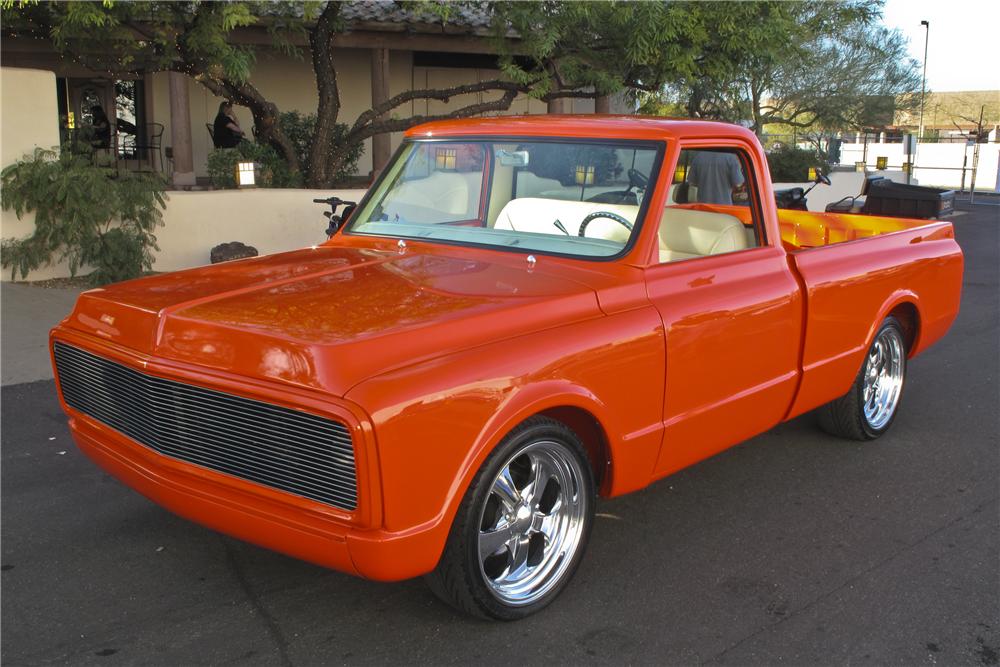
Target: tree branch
<point x="400" y="124"/>
<point x="443" y="94"/>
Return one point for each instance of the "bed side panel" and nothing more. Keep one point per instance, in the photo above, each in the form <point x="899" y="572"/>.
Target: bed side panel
<point x="852" y="286"/>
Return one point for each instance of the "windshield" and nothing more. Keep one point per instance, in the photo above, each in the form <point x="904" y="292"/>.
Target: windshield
<point x="554" y="196"/>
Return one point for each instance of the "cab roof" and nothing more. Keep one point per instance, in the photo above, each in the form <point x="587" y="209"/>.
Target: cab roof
<point x="589" y="126"/>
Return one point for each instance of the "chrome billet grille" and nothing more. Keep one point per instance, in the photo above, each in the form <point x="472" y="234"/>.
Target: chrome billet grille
<point x="296" y="452"/>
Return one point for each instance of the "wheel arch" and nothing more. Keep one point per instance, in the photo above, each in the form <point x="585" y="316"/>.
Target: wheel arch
<point x="570" y="404"/>
<point x="591" y="432"/>
<point x="909" y="317"/>
<point x="904" y="305"/>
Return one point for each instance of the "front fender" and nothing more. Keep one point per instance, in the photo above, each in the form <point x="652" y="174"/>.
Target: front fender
<point x="436" y="422"/>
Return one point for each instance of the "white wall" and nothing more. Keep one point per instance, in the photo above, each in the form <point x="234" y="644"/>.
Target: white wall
<point x="269" y="220"/>
<point x="29" y="115"/>
<point x="931" y="162"/>
<point x="29" y="119"/>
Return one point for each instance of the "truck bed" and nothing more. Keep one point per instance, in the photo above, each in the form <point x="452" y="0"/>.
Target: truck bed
<point x="855" y="271"/>
<point x="807" y="229"/>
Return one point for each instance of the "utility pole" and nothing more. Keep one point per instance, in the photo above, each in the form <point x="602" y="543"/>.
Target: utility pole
<point x="923" y="79"/>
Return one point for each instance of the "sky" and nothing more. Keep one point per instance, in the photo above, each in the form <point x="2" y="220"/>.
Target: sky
<point x="962" y="51"/>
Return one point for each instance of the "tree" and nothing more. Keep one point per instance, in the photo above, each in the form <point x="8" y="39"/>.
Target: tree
<point x="800" y="64"/>
<point x="548" y="50"/>
<point x="193" y="38"/>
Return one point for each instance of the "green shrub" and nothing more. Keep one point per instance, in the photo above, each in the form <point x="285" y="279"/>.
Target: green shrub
<point x="299" y="130"/>
<point x="789" y="164"/>
<point x="85" y="212"/>
<point x="272" y="170"/>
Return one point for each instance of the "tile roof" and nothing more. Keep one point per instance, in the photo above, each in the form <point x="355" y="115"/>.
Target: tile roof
<point x="459" y="15"/>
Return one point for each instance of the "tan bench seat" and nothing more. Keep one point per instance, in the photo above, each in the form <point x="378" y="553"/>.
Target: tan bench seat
<point x="537" y="215"/>
<point x="687" y="233"/>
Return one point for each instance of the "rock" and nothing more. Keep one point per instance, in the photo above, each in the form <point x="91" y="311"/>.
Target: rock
<point x="232" y="250"/>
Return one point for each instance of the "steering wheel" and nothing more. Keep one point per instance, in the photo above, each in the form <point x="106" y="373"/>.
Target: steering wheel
<point x="637" y="179"/>
<point x="604" y="214"/>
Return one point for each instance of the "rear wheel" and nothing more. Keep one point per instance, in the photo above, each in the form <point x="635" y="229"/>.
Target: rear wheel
<point x="522" y="527"/>
<point x="868" y="409"/>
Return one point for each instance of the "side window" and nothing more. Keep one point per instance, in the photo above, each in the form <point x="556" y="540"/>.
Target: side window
<point x="709" y="210"/>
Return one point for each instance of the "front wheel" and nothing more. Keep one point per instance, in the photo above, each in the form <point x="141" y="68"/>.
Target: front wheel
<point x="868" y="409"/>
<point x="522" y="527"/>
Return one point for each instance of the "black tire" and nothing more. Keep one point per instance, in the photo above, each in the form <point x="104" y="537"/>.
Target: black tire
<point x="846" y="416"/>
<point x="460" y="578"/>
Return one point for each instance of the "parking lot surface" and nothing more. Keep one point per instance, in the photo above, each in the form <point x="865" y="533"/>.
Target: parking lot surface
<point x="794" y="547"/>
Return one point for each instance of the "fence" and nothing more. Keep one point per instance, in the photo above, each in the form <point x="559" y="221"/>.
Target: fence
<point x="947" y="165"/>
<point x="948" y="162"/>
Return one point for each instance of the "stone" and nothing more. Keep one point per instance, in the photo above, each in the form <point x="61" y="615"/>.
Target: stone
<point x="232" y="250"/>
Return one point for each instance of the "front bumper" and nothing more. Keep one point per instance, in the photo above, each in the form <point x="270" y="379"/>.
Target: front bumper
<point x="348" y="541"/>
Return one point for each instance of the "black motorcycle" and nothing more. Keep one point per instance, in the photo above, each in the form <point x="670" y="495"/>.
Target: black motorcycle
<point x="795" y="198"/>
<point x="336" y="221"/>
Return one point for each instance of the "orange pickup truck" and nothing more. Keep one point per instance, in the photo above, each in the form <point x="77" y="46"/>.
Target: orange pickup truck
<point x="520" y="315"/>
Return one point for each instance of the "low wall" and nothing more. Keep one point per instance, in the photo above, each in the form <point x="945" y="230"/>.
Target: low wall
<point x="270" y="220"/>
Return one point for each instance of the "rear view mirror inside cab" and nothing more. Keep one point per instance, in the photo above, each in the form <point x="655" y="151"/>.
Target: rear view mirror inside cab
<point x="512" y="158"/>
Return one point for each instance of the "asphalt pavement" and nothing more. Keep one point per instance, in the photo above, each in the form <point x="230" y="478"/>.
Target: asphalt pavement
<point x="794" y="547"/>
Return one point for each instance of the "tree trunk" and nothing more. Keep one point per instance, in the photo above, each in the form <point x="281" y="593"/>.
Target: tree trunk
<point x="758" y="118"/>
<point x="323" y="166"/>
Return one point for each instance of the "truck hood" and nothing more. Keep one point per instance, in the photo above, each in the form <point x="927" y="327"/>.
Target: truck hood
<point x="330" y="317"/>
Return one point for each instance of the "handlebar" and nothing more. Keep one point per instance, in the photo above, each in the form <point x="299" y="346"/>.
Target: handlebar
<point x="329" y="200"/>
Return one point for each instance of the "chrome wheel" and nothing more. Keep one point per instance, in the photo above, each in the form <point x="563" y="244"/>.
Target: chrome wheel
<point x="883" y="378"/>
<point x="532" y="523"/>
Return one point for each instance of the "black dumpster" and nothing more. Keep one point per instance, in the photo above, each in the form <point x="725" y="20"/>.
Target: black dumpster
<point x="899" y="200"/>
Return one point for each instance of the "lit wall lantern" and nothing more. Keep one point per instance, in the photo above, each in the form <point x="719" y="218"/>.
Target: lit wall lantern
<point x="860" y="166"/>
<point x="680" y="173"/>
<point x="584" y="175"/>
<point x="445" y="158"/>
<point x="246" y="175"/>
<point x="811" y="174"/>
<point x="881" y="163"/>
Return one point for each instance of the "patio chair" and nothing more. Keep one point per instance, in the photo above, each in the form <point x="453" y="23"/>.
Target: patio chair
<point x="150" y="142"/>
<point x="211" y="132"/>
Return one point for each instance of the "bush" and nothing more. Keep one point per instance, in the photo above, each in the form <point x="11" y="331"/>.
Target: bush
<point x="299" y="130"/>
<point x="272" y="170"/>
<point x="85" y="212"/>
<point x="789" y="164"/>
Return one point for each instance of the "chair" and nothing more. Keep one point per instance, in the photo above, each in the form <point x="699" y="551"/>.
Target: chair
<point x="151" y="140"/>
<point x="685" y="233"/>
<point x="211" y="132"/>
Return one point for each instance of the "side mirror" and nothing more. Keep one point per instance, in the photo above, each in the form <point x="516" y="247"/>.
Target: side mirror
<point x="821" y="177"/>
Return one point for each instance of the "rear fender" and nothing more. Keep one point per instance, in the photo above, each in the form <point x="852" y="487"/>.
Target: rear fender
<point x="895" y="300"/>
